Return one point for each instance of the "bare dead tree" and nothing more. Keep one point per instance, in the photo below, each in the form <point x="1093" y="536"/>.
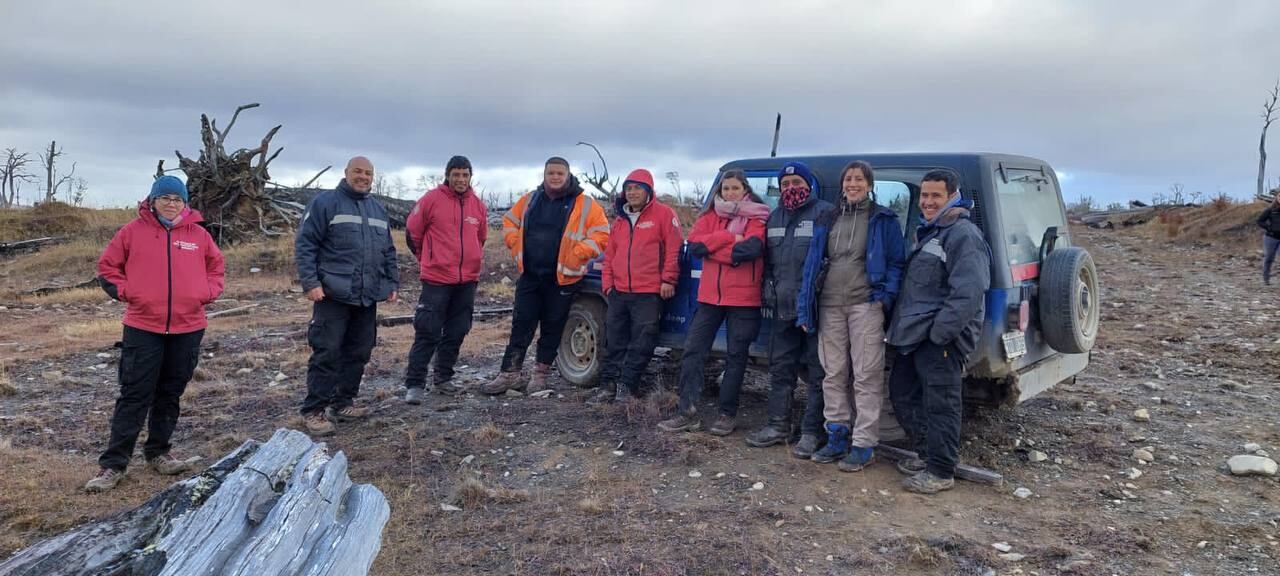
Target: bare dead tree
<point x="54" y="180"/>
<point x="1268" y="116"/>
<point x="600" y="178"/>
<point x="78" y="189"/>
<point x="12" y="173"/>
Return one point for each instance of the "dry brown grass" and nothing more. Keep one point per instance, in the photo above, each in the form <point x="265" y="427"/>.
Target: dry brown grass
<point x="93" y="330"/>
<point x="77" y="258"/>
<point x="91" y="294"/>
<point x="1222" y="221"/>
<point x="6" y="382"/>
<point x="488" y="434"/>
<point x="592" y="505"/>
<point x="56" y="219"/>
<point x="472" y="493"/>
<point x="271" y="255"/>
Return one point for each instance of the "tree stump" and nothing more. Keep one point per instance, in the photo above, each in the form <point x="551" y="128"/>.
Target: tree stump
<point x="283" y="507"/>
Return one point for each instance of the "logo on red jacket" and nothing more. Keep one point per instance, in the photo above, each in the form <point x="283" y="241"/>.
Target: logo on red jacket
<point x="645" y="224"/>
<point x="472" y="220"/>
<point x="184" y="245"/>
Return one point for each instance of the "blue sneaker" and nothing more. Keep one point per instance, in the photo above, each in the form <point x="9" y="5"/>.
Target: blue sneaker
<point x="837" y="444"/>
<point x="857" y="459"/>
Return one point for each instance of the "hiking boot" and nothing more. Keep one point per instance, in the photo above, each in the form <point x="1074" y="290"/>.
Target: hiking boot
<point x="450" y="388"/>
<point x="501" y="383"/>
<point x="724" y="425"/>
<point x="837" y="444"/>
<point x="857" y="459"/>
<point x="347" y="413"/>
<point x="775" y="432"/>
<point x="682" y="422"/>
<point x="807" y="445"/>
<point x="604" y="394"/>
<point x="413" y="396"/>
<point x="926" y="483"/>
<point x="540" y="380"/>
<point x="169" y="465"/>
<point x="317" y="424"/>
<point x="106" y="479"/>
<point x="911" y="466"/>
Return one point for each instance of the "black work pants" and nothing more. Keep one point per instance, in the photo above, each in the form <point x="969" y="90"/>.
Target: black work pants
<point x="341" y="338"/>
<point x="154" y="371"/>
<point x="790" y="347"/>
<point x="925" y="388"/>
<point x="440" y="322"/>
<point x="743" y="323"/>
<point x="542" y="304"/>
<point x="631" y="335"/>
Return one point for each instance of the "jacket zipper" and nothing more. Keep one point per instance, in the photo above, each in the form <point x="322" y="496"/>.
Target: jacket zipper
<point x="462" y="247"/>
<point x="168" y="252"/>
<point x="719" y="273"/>
<point x="631" y="244"/>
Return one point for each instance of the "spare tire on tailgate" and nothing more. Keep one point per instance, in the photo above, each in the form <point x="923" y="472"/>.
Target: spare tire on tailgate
<point x="1069" y="306"/>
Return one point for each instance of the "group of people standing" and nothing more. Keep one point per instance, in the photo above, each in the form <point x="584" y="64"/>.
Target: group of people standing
<point x="836" y="282"/>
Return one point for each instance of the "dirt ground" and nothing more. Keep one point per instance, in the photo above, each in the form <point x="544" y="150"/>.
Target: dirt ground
<point x="552" y="486"/>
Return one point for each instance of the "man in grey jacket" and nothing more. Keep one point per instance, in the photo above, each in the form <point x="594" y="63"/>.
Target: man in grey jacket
<point x="936" y="325"/>
<point x="346" y="264"/>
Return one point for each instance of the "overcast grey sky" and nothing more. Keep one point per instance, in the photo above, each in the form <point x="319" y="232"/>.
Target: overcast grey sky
<point x="1123" y="98"/>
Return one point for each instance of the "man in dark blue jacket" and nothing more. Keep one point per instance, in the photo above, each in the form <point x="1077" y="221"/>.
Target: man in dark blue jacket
<point x="788" y="238"/>
<point x="346" y="264"/>
<point x="936" y="325"/>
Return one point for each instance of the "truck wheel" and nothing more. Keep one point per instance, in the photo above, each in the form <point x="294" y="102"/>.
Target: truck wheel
<point x="582" y="343"/>
<point x="1069" y="306"/>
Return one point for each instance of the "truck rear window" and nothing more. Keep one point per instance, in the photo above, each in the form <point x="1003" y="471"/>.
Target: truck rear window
<point x="1029" y="205"/>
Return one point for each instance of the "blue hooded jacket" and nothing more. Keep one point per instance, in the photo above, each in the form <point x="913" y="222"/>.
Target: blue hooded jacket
<point x="885" y="258"/>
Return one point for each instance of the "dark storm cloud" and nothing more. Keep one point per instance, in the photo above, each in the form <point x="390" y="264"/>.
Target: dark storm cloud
<point x="1125" y="99"/>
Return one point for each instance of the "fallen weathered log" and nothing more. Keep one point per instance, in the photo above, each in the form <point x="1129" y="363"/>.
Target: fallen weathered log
<point x="237" y="311"/>
<point x="963" y="471"/>
<point x="480" y="314"/>
<point x="32" y="245"/>
<point x="47" y="290"/>
<point x="284" y="507"/>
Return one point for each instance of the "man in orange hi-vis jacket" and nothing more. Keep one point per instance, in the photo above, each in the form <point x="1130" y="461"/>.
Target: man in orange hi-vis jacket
<point x="553" y="232"/>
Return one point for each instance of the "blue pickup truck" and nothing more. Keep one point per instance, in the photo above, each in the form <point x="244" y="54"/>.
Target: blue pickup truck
<point x="1042" y="309"/>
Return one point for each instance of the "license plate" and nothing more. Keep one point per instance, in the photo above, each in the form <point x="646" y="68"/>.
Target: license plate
<point x="1015" y="344"/>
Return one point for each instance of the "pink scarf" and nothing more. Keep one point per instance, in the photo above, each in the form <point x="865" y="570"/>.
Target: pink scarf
<point x="739" y="212"/>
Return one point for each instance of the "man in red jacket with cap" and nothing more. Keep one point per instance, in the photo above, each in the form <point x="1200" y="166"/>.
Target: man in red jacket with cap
<point x="446" y="232"/>
<point x="641" y="268"/>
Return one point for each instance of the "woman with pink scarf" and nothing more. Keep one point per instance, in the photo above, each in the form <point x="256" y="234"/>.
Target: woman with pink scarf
<point x="729" y="237"/>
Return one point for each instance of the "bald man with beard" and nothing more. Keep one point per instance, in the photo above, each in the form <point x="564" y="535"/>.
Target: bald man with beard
<point x="346" y="264"/>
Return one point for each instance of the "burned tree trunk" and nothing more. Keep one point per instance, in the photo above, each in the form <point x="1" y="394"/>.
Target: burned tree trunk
<point x="230" y="190"/>
<point x="284" y="507"/>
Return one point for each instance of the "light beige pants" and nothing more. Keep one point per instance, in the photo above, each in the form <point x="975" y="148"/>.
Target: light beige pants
<point x="851" y="349"/>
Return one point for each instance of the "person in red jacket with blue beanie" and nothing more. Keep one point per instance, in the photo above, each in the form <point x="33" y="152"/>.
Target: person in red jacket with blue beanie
<point x="446" y="232"/>
<point x="641" y="268"/>
<point x="165" y="267"/>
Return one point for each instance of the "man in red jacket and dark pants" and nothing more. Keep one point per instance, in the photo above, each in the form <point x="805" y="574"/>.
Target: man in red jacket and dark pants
<point x="446" y="232"/>
<point x="165" y="267"/>
<point x="641" y="268"/>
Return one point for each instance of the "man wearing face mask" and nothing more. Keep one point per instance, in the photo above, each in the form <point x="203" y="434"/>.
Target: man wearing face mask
<point x="553" y="233"/>
<point x="790" y="234"/>
<point x="346" y="264"/>
<point x="936" y="325"/>
<point x="641" y="268"/>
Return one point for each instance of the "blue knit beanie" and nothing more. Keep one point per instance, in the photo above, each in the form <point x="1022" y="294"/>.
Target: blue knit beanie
<point x="798" y="169"/>
<point x="165" y="185"/>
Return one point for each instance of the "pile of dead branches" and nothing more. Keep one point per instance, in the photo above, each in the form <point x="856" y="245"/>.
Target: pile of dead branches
<point x="231" y="191"/>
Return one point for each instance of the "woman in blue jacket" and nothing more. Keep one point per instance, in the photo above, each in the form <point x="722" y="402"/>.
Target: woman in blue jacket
<point x="851" y="277"/>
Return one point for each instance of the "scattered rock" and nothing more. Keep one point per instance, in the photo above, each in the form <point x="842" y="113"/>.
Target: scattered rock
<point x="1141" y="415"/>
<point x="255" y="270"/>
<point x="1076" y="562"/>
<point x="1002" y="546"/>
<point x="469" y="459"/>
<point x="1133" y="473"/>
<point x="618" y="453"/>
<point x="1022" y="492"/>
<point x="695" y="474"/>
<point x="1245" y="465"/>
<point x="1143" y="455"/>
<point x="1152" y="386"/>
<point x="1201" y="544"/>
<point x="244" y="371"/>
<point x="1037" y="456"/>
<point x="449" y="507"/>
<point x="515" y="393"/>
<point x="542" y="393"/>
<point x="1252" y="447"/>
<point x="259" y="363"/>
<point x="51" y="375"/>
<point x="1011" y="557"/>
<point x="758" y="486"/>
<point x="808" y="508"/>
<point x="506" y="281"/>
<point x="105" y="355"/>
<point x="280" y="377"/>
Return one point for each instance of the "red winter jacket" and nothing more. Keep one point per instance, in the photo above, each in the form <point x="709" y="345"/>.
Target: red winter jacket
<point x="166" y="276"/>
<point x="447" y="233"/>
<point x="642" y="256"/>
<point x="723" y="282"/>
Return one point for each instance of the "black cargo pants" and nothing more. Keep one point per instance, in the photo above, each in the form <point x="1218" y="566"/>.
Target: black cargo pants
<point x="542" y="305"/>
<point x="631" y="335"/>
<point x="441" y="321"/>
<point x="341" y="338"/>
<point x="925" y="388"/>
<point x="790" y="347"/>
